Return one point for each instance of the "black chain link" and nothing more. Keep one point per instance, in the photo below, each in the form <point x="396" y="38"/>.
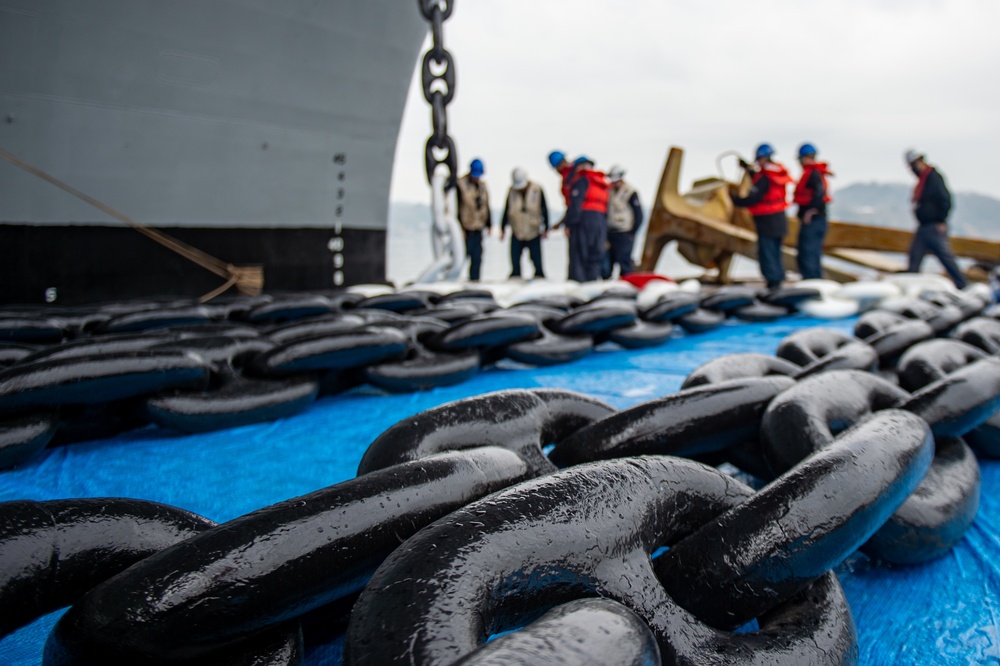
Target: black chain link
<point x="332" y="333"/>
<point x="427" y="8"/>
<point x="439" y="89"/>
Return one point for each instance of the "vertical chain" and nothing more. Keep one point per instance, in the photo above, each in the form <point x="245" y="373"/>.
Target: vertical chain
<point x="437" y="75"/>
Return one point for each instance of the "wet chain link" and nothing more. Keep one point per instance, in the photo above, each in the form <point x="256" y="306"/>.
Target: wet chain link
<point x="437" y="76"/>
<point x="712" y="419"/>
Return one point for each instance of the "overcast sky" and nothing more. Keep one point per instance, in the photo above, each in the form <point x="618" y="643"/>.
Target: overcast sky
<point x="623" y="80"/>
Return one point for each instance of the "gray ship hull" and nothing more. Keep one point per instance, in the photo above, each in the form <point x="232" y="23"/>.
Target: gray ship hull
<point x="261" y="132"/>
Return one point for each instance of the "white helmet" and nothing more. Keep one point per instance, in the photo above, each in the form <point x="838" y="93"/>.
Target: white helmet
<point x="518" y="178"/>
<point x="616" y="173"/>
<point x="912" y="156"/>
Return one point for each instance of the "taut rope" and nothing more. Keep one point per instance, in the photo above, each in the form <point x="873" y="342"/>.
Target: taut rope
<point x="249" y="280"/>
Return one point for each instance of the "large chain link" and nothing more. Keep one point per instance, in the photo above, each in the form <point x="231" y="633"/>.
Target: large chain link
<point x="437" y="76"/>
<point x="588" y="530"/>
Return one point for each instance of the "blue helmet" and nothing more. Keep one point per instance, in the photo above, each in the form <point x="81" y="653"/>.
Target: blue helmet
<point x="476" y="168"/>
<point x="581" y="159"/>
<point x="764" y="150"/>
<point x="807" y="150"/>
<point x="556" y="158"/>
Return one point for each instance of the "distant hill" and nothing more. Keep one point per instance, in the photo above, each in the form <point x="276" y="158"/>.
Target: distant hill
<point x="407" y="218"/>
<point x="888" y="205"/>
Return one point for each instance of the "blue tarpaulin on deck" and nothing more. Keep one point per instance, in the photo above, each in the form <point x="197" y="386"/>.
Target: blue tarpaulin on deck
<point x="944" y="612"/>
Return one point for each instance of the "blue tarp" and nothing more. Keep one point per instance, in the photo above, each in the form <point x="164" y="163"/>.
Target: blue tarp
<point x="944" y="612"/>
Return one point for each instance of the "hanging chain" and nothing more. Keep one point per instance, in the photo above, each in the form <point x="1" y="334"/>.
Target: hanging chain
<point x="439" y="88"/>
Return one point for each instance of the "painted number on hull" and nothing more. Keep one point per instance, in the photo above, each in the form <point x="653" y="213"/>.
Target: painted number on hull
<point x="336" y="243"/>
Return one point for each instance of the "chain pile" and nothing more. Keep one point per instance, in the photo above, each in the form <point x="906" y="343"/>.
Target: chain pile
<point x="69" y="375"/>
<point x="550" y="510"/>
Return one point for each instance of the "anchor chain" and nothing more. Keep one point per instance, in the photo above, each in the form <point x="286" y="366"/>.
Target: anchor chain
<point x="437" y="77"/>
<point x="513" y="534"/>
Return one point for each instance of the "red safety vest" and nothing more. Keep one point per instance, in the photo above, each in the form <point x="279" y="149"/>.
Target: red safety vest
<point x="565" y="172"/>
<point x="598" y="190"/>
<point x="774" y="199"/>
<point x="803" y="195"/>
<point x="919" y="189"/>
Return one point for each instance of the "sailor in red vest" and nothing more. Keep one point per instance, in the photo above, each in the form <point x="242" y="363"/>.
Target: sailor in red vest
<point x="812" y="195"/>
<point x="587" y="220"/>
<point x="767" y="202"/>
<point x="931" y="205"/>
<point x="565" y="170"/>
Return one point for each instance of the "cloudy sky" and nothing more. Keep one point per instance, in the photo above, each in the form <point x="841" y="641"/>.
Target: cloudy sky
<point x="623" y="80"/>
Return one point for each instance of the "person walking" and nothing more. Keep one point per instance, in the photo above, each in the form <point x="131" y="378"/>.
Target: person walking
<point x="587" y="220"/>
<point x="624" y="219"/>
<point x="767" y="202"/>
<point x="931" y="205"/>
<point x="812" y="194"/>
<point x="474" y="214"/>
<point x="528" y="216"/>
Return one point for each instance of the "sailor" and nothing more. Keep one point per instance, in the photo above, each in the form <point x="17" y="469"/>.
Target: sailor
<point x="624" y="218"/>
<point x="931" y="204"/>
<point x="565" y="170"/>
<point x="586" y="220"/>
<point x="812" y="195"/>
<point x="474" y="214"/>
<point x="528" y="216"/>
<point x="767" y="202"/>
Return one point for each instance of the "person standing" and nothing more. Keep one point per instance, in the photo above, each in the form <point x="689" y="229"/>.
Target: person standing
<point x="812" y="194"/>
<point x="931" y="205"/>
<point x="767" y="202"/>
<point x="624" y="219"/>
<point x="474" y="214"/>
<point x="528" y="216"/>
<point x="564" y="168"/>
<point x="587" y="220"/>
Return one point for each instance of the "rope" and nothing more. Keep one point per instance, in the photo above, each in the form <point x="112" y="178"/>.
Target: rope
<point x="248" y="280"/>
